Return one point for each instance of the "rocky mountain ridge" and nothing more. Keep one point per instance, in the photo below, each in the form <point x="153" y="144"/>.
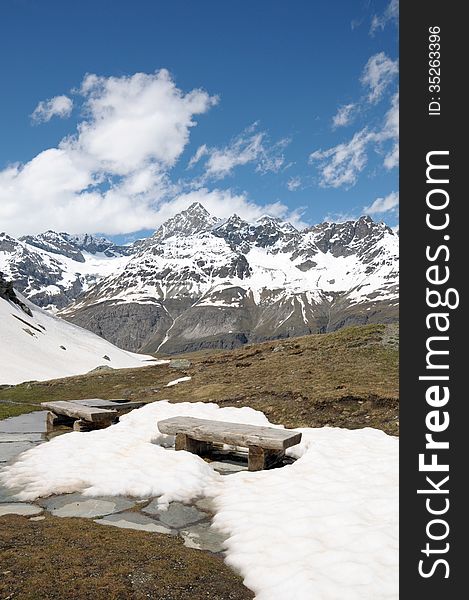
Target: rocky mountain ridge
<point x="200" y="282"/>
<point x="53" y="269"/>
<point x="203" y="282"/>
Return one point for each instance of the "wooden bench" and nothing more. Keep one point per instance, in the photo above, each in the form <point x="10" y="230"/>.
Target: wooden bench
<point x="93" y="413"/>
<point x="266" y="445"/>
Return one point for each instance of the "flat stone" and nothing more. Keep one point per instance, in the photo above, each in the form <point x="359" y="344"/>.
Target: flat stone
<point x="19" y="508"/>
<point x="206" y="504"/>
<point x="178" y="514"/>
<point x="131" y="520"/>
<point x="179" y="363"/>
<point x="203" y="537"/>
<point x="21" y="437"/>
<point x="34" y="422"/>
<point x="225" y="468"/>
<point x="41" y="518"/>
<point x="77" y="505"/>
<point x="9" y="450"/>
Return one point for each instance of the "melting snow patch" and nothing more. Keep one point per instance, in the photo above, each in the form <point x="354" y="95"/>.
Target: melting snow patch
<point x="324" y="527"/>
<point x="176" y="381"/>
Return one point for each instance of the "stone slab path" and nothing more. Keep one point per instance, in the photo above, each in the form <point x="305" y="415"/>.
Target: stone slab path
<point x="191" y="522"/>
<point x="18" y="434"/>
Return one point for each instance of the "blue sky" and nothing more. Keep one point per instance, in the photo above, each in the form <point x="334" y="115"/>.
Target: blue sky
<point x="249" y="88"/>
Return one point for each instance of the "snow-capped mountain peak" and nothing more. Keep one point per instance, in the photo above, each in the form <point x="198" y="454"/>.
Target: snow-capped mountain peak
<point x="73" y="246"/>
<point x="193" y="220"/>
<point x="349" y="237"/>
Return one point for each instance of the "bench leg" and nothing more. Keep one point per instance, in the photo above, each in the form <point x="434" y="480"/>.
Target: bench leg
<point x="52" y="420"/>
<point x="82" y="425"/>
<point x="260" y="459"/>
<point x="184" y="442"/>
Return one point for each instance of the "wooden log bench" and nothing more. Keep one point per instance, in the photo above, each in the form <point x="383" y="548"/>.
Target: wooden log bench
<point x="266" y="445"/>
<point x="93" y="413"/>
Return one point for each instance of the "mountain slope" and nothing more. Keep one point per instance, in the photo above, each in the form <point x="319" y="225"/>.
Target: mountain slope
<point x="199" y="283"/>
<point x="36" y="345"/>
<point x="53" y="269"/>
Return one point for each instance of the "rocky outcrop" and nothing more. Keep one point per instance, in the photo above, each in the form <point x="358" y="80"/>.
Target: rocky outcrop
<point x="8" y="293"/>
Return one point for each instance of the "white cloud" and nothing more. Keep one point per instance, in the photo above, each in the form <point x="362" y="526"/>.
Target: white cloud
<point x="390" y="15"/>
<point x="136" y="120"/>
<point x="200" y="153"/>
<point x="391" y="131"/>
<point x="58" y="106"/>
<point x="112" y="174"/>
<point x="341" y="165"/>
<point x="382" y="205"/>
<point x="344" y="115"/>
<point x="391" y="160"/>
<point x="294" y="183"/>
<point x="250" y="146"/>
<point x="378" y="74"/>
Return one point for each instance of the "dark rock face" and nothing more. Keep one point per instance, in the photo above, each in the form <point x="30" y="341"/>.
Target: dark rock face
<point x="131" y="325"/>
<point x="242" y="235"/>
<point x="8" y="293"/>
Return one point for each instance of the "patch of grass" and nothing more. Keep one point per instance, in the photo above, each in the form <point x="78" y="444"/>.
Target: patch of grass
<point x="348" y="378"/>
<point x="61" y="559"/>
<point x="8" y="409"/>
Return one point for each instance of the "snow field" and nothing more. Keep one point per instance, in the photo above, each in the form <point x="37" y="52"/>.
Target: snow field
<point x="45" y="347"/>
<point x="323" y="528"/>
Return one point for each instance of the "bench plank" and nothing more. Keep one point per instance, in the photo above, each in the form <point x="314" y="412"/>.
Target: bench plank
<point x="114" y="404"/>
<point x="233" y="434"/>
<point x="79" y="411"/>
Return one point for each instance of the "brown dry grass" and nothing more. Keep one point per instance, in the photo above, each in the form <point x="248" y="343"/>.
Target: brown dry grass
<point x="67" y="559"/>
